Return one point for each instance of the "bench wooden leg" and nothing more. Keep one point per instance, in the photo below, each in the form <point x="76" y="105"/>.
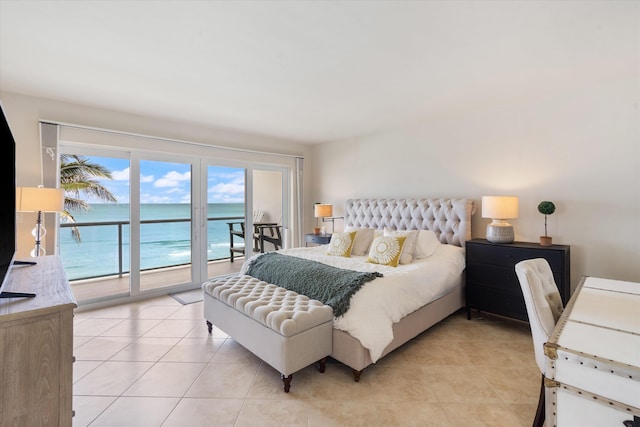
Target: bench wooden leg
<point x="287" y="382"/>
<point x="322" y="365"/>
<point x="356" y="375"/>
<point x="209" y="326"/>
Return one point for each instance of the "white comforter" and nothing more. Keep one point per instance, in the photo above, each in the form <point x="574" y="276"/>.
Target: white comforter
<point x="385" y="300"/>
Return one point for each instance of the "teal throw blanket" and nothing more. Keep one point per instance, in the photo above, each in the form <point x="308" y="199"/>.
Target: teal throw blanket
<point x="331" y="285"/>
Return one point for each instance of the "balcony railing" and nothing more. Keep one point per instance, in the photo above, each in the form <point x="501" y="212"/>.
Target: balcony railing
<point x="121" y="243"/>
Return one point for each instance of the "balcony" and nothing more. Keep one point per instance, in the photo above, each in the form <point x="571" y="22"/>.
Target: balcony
<point x="98" y="267"/>
<point x="91" y="289"/>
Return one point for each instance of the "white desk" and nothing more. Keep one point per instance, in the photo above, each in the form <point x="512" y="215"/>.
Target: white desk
<point x="592" y="375"/>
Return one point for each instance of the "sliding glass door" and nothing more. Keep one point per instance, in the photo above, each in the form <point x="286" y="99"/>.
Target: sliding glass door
<point x="225" y="201"/>
<point x="165" y="246"/>
<point x="168" y="224"/>
<point x="94" y="233"/>
<point x="130" y="228"/>
<point x="269" y="200"/>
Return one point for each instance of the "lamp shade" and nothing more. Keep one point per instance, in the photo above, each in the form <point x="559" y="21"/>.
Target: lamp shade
<point x="499" y="207"/>
<point x="39" y="199"/>
<point x="321" y="210"/>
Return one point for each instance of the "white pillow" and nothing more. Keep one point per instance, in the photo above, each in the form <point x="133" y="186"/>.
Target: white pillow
<point x="362" y="242"/>
<point x="409" y="247"/>
<point x="427" y="244"/>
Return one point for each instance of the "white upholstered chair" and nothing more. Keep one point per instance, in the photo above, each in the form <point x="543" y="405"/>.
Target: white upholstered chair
<point x="544" y="307"/>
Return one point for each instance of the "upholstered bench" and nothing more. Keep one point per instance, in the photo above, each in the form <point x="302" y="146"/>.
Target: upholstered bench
<point x="286" y="330"/>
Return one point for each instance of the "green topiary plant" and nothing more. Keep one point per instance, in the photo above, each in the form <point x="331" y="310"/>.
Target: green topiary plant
<point x="546" y="208"/>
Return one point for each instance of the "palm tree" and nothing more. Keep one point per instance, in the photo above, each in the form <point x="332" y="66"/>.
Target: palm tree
<point x="77" y="178"/>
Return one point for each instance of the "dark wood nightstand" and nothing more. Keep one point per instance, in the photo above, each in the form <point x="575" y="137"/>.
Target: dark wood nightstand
<point x="491" y="281"/>
<point x="318" y="239"/>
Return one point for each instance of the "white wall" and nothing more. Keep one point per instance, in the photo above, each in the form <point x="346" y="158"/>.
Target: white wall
<point x="579" y="149"/>
<point x="267" y="194"/>
<point x="24" y="113"/>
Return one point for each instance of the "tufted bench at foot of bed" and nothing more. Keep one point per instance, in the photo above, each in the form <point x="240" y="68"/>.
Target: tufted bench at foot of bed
<point x="287" y="330"/>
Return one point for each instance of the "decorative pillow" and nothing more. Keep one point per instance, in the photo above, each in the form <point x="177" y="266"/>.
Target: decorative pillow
<point x="406" y="257"/>
<point x="427" y="244"/>
<point x="362" y="242"/>
<point x="386" y="250"/>
<point x="341" y="244"/>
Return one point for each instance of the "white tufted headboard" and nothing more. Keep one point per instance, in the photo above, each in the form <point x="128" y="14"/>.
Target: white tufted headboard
<point x="449" y="219"/>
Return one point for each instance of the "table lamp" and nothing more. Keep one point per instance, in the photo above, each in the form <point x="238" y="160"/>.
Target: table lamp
<point x="500" y="209"/>
<point x="321" y="210"/>
<point x="39" y="199"/>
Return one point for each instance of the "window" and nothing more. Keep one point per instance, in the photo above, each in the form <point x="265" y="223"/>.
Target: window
<point x="168" y="229"/>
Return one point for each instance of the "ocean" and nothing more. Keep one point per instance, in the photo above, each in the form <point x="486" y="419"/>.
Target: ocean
<point x="162" y="244"/>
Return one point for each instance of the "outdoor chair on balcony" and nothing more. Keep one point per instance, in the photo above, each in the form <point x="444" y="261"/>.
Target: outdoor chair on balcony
<point x="270" y="233"/>
<point x="236" y="247"/>
<point x="237" y="235"/>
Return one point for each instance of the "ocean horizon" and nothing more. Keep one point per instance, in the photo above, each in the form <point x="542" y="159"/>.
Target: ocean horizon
<point x="161" y="244"/>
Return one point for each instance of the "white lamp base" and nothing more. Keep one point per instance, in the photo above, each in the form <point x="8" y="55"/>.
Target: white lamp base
<point x="500" y="232"/>
<point x="38" y="232"/>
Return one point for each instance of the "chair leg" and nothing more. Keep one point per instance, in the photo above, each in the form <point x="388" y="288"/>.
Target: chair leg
<point x="538" y="421"/>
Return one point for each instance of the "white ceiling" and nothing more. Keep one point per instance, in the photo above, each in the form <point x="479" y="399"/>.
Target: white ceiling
<point x="311" y="71"/>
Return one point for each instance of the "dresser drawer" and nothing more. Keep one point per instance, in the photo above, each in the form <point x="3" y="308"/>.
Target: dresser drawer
<point x="509" y="257"/>
<point x="498" y="277"/>
<point x="493" y="276"/>
<point x="491" y="300"/>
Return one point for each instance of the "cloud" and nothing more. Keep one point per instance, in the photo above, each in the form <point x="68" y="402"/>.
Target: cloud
<point x="228" y="188"/>
<point x="227" y="198"/>
<point x="231" y="191"/>
<point x="155" y="198"/>
<point x="122" y="175"/>
<point x="235" y="185"/>
<point x="172" y="179"/>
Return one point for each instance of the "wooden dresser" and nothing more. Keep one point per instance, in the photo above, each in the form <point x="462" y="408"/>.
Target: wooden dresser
<point x="36" y="347"/>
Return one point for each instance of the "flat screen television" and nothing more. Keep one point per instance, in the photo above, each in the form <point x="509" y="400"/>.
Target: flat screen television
<point x="8" y="207"/>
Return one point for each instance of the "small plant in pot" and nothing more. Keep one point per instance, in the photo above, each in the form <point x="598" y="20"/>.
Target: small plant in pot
<point x="546" y="208"/>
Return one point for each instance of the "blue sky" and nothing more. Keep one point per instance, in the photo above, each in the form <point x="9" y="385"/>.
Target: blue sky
<point x="166" y="182"/>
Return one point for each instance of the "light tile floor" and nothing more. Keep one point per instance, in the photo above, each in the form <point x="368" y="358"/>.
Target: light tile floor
<point x="152" y="363"/>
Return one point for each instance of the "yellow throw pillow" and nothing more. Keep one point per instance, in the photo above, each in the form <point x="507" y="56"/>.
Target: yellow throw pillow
<point x="409" y="247"/>
<point x="341" y="244"/>
<point x="386" y="250"/>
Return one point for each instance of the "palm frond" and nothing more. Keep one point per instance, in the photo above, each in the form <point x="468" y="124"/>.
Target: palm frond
<point x="75" y="231"/>
<point x="77" y="178"/>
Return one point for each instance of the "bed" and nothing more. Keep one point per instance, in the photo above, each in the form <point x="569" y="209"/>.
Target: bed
<point x="432" y="287"/>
